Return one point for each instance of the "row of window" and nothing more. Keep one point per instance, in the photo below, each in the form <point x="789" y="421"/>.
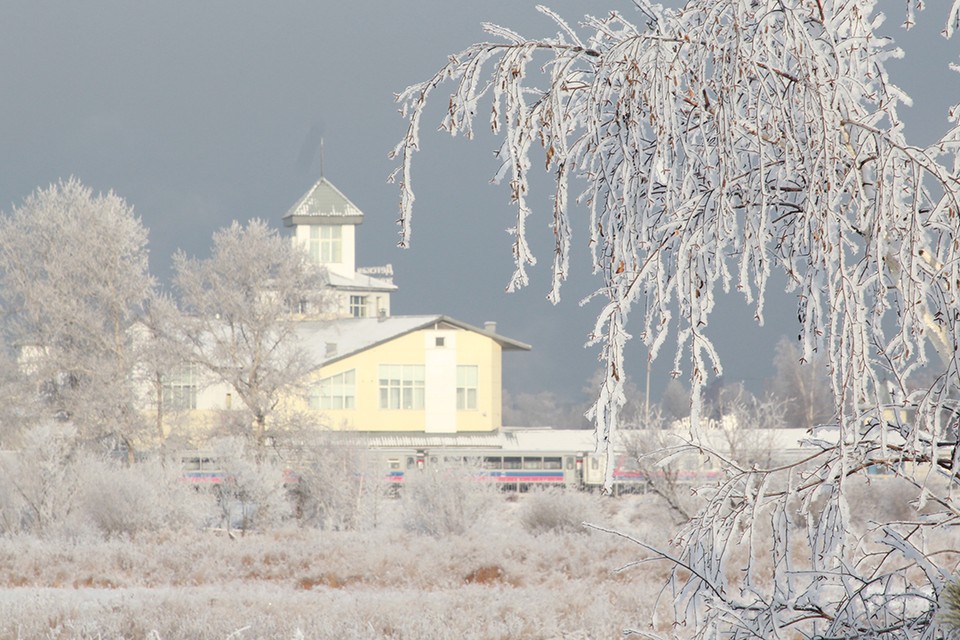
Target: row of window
<point x="401" y="387"/>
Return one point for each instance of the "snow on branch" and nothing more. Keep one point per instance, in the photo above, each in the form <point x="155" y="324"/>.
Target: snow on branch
<point x="710" y="148"/>
<point x="713" y="146"/>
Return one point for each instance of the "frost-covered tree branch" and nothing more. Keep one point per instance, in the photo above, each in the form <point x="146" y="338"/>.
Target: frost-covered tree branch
<point x="710" y="148"/>
<point x="239" y="307"/>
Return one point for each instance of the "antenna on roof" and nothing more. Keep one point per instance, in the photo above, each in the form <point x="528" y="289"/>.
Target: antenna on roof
<point x="321" y="157"/>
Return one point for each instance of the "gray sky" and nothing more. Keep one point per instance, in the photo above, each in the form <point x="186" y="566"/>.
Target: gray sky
<point x="199" y="113"/>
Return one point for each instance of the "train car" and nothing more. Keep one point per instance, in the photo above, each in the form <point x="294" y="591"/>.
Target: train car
<point x="513" y="470"/>
<point x="514" y="460"/>
<point x="200" y="468"/>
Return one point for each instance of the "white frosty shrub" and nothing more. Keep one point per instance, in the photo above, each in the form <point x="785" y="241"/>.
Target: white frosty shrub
<point x="341" y="488"/>
<point x="445" y="499"/>
<point x="41" y="483"/>
<point x="122" y="499"/>
<point x="253" y="493"/>
<point x="558" y="511"/>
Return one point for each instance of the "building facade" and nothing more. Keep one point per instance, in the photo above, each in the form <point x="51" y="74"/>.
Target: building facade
<point x="430" y="374"/>
<point x="372" y="372"/>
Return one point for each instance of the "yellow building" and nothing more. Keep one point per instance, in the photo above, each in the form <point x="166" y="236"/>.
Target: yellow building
<point x="429" y="374"/>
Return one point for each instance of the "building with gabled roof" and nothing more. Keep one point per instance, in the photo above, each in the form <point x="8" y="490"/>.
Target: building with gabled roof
<point x="429" y="374"/>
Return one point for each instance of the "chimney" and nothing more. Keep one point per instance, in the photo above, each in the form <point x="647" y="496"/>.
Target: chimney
<point x="490" y="326"/>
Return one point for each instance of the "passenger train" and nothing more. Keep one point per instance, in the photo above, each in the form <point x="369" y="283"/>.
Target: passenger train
<point x="516" y="459"/>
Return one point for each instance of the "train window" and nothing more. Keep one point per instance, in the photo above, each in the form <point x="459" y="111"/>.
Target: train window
<point x="511" y="463"/>
<point x="594" y="464"/>
<point x="394" y="463"/>
<point x="553" y="463"/>
<point x="410" y="462"/>
<point x="491" y="462"/>
<point x="533" y="463"/>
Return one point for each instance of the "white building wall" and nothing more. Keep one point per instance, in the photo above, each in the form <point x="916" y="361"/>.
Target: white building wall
<point x="347" y="267"/>
<point x="440" y="381"/>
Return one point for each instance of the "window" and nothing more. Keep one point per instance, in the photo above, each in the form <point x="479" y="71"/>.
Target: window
<point x="533" y="463"/>
<point x="180" y="389"/>
<point x="439" y="342"/>
<point x="326" y="244"/>
<point x="358" y="306"/>
<point x="299" y="306"/>
<point x="335" y="392"/>
<point x="511" y="463"/>
<point x="401" y="386"/>
<point x="466" y="387"/>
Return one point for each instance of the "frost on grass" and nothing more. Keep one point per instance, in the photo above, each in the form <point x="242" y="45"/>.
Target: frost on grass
<point x="711" y="148"/>
<point x="495" y="581"/>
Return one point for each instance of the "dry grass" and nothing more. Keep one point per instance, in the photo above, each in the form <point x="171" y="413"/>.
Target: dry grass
<point x="495" y="581"/>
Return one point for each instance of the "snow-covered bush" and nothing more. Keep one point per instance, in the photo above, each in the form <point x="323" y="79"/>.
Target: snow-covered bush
<point x="121" y="499"/>
<point x="445" y="499"/>
<point x="253" y="493"/>
<point x="341" y="488"/>
<point x="555" y="510"/>
<point x="40" y="482"/>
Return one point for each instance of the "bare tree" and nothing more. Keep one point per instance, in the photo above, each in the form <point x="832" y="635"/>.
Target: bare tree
<point x="714" y="145"/>
<point x="804" y="386"/>
<point x="749" y="427"/>
<point x="74" y="273"/>
<point x="659" y="454"/>
<point x="239" y="309"/>
<point x="675" y="401"/>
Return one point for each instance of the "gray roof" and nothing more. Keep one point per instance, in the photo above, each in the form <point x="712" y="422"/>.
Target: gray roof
<point x="323" y="203"/>
<point x="329" y="341"/>
<point x="417" y="440"/>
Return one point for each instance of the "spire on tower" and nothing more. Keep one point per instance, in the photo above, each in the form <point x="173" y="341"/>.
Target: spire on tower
<point x="321" y="157"/>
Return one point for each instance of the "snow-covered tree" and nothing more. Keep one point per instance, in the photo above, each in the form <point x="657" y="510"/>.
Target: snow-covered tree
<point x="74" y="278"/>
<point x="711" y="147"/>
<point x="164" y="352"/>
<point x="239" y="313"/>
